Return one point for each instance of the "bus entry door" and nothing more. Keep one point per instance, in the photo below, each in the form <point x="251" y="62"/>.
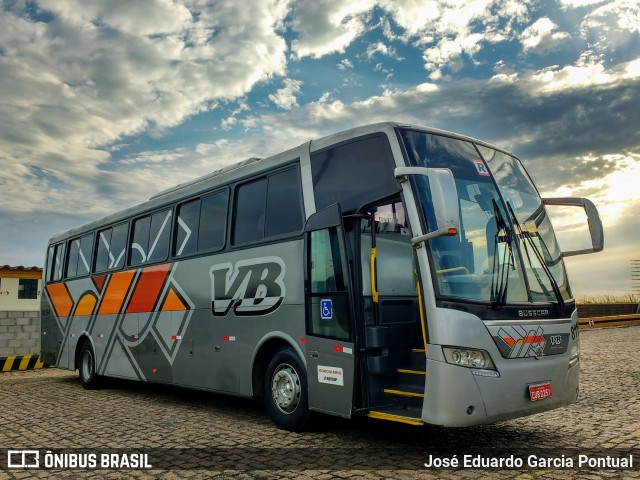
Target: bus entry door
<point x="329" y="340"/>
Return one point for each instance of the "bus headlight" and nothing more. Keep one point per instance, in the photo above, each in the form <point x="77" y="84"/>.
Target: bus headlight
<point x="467" y="357"/>
<point x="575" y="354"/>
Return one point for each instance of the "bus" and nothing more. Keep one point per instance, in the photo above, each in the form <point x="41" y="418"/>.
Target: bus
<point x="392" y="271"/>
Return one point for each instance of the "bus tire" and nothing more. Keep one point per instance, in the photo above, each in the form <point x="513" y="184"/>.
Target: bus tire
<point x="285" y="391"/>
<point x="89" y="379"/>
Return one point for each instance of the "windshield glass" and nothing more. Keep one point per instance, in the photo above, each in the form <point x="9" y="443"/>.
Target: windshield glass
<point x="537" y="239"/>
<point x="485" y="261"/>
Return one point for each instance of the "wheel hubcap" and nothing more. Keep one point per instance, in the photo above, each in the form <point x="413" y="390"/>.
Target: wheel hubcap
<point x="285" y="388"/>
<point x="87" y="365"/>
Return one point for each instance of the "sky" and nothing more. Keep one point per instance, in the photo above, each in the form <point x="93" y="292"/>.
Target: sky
<point x="104" y="103"/>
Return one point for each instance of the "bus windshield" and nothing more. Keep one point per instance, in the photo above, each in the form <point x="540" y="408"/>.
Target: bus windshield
<point x="505" y="250"/>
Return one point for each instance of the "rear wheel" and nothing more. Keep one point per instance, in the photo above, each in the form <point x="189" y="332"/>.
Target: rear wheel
<point x="285" y="391"/>
<point x="87" y="367"/>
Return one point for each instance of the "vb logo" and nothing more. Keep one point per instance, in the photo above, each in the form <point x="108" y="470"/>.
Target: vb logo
<point x="252" y="287"/>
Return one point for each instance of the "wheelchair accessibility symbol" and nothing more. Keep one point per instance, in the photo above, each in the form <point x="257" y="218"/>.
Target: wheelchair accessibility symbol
<point x="326" y="309"/>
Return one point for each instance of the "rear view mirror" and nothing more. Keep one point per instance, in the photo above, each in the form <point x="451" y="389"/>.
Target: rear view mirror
<point x="444" y="197"/>
<point x="593" y="220"/>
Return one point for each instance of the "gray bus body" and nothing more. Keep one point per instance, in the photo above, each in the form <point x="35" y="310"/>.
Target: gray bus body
<point x="306" y="278"/>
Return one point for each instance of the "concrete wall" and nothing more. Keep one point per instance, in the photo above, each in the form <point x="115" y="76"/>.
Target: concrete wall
<point x="19" y="333"/>
<point x="606" y="309"/>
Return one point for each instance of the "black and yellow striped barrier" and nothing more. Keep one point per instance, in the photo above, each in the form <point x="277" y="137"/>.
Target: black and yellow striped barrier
<point x="21" y="362"/>
<point x="611" y="321"/>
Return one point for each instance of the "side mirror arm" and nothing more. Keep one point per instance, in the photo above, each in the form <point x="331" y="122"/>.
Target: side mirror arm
<point x="593" y="219"/>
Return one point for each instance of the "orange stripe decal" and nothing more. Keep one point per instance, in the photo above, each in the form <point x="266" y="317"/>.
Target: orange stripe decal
<point x="99" y="281"/>
<point x="149" y="286"/>
<point x="60" y="299"/>
<point x="86" y="305"/>
<point x="116" y="292"/>
<point x="172" y="302"/>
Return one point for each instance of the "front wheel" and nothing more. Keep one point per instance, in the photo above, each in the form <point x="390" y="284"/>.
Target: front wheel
<point x="285" y="391"/>
<point x="87" y="367"/>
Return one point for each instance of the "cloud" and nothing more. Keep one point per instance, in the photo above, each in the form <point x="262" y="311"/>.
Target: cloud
<point x="614" y="25"/>
<point x="78" y="76"/>
<point x="285" y="97"/>
<point x="345" y="64"/>
<point x="541" y="36"/>
<point x="608" y="272"/>
<point x="382" y="49"/>
<point x="327" y="26"/>
<point x="579" y="3"/>
<point x="445" y="30"/>
<point x="450" y="31"/>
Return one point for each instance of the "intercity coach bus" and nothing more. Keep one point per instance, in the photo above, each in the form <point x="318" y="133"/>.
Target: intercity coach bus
<point x="394" y="271"/>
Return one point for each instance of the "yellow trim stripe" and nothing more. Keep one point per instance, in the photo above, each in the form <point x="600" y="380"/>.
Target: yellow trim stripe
<point x="422" y="319"/>
<point x="412" y="372"/>
<point x="403" y="393"/>
<point x="610" y="321"/>
<point x="372" y="267"/>
<point x="418" y="350"/>
<point x="394" y="418"/>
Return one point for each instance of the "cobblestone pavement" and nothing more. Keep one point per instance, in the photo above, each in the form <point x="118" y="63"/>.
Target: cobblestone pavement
<point x="202" y="435"/>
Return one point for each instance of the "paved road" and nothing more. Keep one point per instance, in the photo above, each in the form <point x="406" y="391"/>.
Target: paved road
<point x="194" y="434"/>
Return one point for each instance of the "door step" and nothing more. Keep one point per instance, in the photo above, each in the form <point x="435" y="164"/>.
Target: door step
<point x="403" y="393"/>
<point x="395" y="414"/>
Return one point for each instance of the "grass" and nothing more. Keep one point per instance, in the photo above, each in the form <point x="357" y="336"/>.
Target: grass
<point x="608" y="299"/>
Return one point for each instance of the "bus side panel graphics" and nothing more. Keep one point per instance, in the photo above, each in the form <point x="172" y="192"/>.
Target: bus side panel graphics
<point x="253" y="287"/>
<point x="128" y="315"/>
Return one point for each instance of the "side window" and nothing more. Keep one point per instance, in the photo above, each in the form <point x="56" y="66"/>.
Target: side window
<point x="201" y="224"/>
<point x="213" y="221"/>
<point x="72" y="258"/>
<point x="138" y="250"/>
<point x="110" y="248"/>
<point x="187" y="219"/>
<point x="151" y="236"/>
<point x="328" y="298"/>
<point x="250" y="212"/>
<point x="284" y="204"/>
<point x="268" y="207"/>
<point x="79" y="258"/>
<point x="338" y="173"/>
<point x="58" y="262"/>
<point x="49" y="271"/>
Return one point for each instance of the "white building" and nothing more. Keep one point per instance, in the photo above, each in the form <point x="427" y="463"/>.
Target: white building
<point x="20" y="288"/>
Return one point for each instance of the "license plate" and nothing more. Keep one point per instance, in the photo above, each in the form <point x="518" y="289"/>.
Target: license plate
<point x="540" y="392"/>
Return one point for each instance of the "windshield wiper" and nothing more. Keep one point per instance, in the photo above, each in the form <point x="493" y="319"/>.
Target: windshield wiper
<point x="500" y="281"/>
<point x="526" y="235"/>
